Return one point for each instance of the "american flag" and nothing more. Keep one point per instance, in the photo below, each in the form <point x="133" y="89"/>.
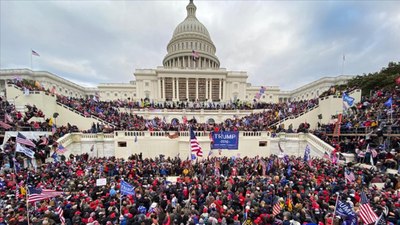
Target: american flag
<point x="326" y="156"/>
<point x="53" y="129"/>
<point x="16" y="191"/>
<point x="349" y="175"/>
<point x="195" y="55"/>
<point x="276" y="209"/>
<point x="44" y="140"/>
<point x="374" y="152"/>
<point x="8" y="118"/>
<point x="35" y="53"/>
<point x="23" y="140"/>
<point x="367" y="215"/>
<point x="37" y="194"/>
<point x="60" y="213"/>
<point x="5" y="125"/>
<point x="194" y="144"/>
<point x="61" y="149"/>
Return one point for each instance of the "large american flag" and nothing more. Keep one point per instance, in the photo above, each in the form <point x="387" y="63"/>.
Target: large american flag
<point x="367" y="215"/>
<point x="60" y="213"/>
<point x="194" y="144"/>
<point x="37" y="194"/>
<point x="276" y="209"/>
<point x="23" y="140"/>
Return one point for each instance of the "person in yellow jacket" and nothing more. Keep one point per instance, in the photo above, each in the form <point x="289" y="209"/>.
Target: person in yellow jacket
<point x="22" y="190"/>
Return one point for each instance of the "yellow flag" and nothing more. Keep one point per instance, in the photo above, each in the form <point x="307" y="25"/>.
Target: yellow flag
<point x="51" y="121"/>
<point x="37" y="84"/>
<point x="289" y="204"/>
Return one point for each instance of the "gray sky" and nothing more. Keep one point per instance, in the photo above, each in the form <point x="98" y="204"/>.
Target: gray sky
<point x="285" y="43"/>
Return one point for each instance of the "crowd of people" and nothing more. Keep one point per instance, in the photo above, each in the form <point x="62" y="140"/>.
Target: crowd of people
<point x="110" y="112"/>
<point x="215" y="191"/>
<point x="366" y="128"/>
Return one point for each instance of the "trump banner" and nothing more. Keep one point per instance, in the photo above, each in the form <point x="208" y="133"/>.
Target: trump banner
<point x="225" y="140"/>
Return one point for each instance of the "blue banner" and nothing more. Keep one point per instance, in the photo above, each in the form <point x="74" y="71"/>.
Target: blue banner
<point x="225" y="140"/>
<point x="127" y="189"/>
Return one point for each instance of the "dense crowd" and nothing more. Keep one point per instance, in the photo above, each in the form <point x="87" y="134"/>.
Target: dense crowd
<point x="365" y="130"/>
<point x="210" y="191"/>
<point x="21" y="121"/>
<point x="110" y="111"/>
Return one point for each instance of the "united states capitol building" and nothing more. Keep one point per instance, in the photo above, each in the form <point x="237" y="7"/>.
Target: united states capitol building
<point x="190" y="71"/>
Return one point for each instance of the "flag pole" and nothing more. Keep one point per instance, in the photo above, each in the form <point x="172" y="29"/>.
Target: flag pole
<point x="344" y="58"/>
<point x="120" y="206"/>
<point x="334" y="210"/>
<point x="31" y="60"/>
<point x="27" y="204"/>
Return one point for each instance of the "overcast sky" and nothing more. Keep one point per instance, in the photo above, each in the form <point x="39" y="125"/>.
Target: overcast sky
<point x="285" y="43"/>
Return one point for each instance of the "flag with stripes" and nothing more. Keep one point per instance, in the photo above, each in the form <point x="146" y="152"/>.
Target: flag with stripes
<point x="367" y="214"/>
<point x="53" y="129"/>
<point x="61" y="149"/>
<point x="44" y="140"/>
<point x="38" y="194"/>
<point x="5" y="125"/>
<point x="16" y="191"/>
<point x="349" y="175"/>
<point x="374" y="153"/>
<point x="23" y="140"/>
<point x="60" y="213"/>
<point x="276" y="209"/>
<point x="8" y="118"/>
<point x="194" y="144"/>
<point x="35" y="53"/>
<point x="326" y="156"/>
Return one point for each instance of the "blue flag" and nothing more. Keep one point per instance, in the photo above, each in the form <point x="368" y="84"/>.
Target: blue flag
<point x="389" y="102"/>
<point x="126" y="188"/>
<point x="348" y="99"/>
<point x="344" y="209"/>
<point x="289" y="170"/>
<point x="307" y="153"/>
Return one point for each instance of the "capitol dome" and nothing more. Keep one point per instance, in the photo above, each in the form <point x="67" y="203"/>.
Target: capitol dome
<point x="191" y="45"/>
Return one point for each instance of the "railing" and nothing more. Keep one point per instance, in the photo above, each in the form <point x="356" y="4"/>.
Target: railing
<point x="64" y="106"/>
<point x="294" y="116"/>
<point x="320" y="144"/>
<point x="81" y="114"/>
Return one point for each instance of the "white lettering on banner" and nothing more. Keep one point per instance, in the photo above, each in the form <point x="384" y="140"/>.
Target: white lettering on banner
<point x="226" y="136"/>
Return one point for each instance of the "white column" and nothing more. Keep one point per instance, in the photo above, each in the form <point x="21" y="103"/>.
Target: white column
<point x="204" y="62"/>
<point x="173" y="88"/>
<point x="219" y="96"/>
<point x="159" y="88"/>
<point x="210" y="89"/>
<point x="207" y="89"/>
<point x="225" y="89"/>
<point x="187" y="88"/>
<point x="177" y="88"/>
<point x="163" y="90"/>
<point x="197" y="88"/>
